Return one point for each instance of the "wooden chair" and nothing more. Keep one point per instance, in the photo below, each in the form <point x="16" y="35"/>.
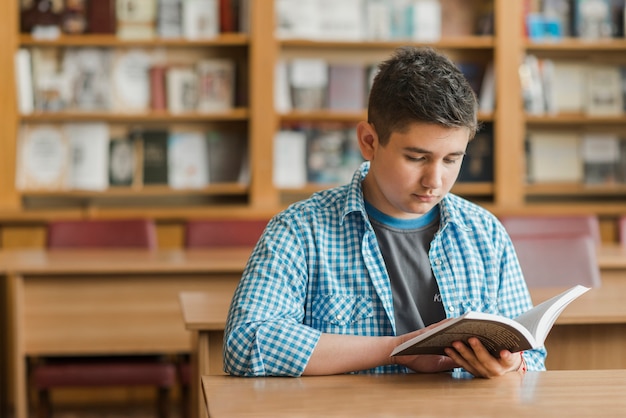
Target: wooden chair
<point x="99" y="371"/>
<point x="211" y="233"/>
<point x="549" y="225"/>
<point x="558" y="260"/>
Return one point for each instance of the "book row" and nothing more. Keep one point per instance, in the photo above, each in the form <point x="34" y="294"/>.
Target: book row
<point x="593" y="158"/>
<point x="87" y="156"/>
<point x="552" y="20"/>
<point x="134" y="19"/>
<point x="121" y="80"/>
<point x="553" y="86"/>
<point x="357" y="20"/>
<point x="305" y="84"/>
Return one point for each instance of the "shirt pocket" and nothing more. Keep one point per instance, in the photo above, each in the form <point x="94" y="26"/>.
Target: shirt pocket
<point x="341" y="310"/>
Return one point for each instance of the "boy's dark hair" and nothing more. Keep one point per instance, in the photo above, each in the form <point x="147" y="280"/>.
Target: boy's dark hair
<point x="420" y="85"/>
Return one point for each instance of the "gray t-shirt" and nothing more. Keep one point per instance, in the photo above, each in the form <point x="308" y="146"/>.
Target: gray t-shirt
<point x="404" y="245"/>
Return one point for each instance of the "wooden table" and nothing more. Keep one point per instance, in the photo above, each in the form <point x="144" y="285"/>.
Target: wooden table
<point x="588" y="393"/>
<point x="104" y="302"/>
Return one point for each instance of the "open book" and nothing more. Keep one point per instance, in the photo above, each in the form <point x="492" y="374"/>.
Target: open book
<point x="529" y="330"/>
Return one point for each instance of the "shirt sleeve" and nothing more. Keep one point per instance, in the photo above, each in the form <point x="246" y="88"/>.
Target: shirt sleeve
<point x="264" y="333"/>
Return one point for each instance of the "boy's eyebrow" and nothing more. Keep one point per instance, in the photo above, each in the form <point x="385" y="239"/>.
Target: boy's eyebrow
<point x="418" y="150"/>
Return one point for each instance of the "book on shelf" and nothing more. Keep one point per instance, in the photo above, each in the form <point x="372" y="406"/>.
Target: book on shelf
<point x="158" y="90"/>
<point x="604" y="90"/>
<point x="592" y="19"/>
<point x="282" y="91"/>
<point x="201" y="19"/>
<point x="187" y="160"/>
<point x="228" y="153"/>
<point x="101" y="17"/>
<point x="332" y="154"/>
<point x="216" y="84"/>
<point x="297" y="19"/>
<point x="340" y="20"/>
<point x="289" y="170"/>
<point x="554" y="156"/>
<point x="309" y="82"/>
<point x="154" y="156"/>
<point x="74" y="17"/>
<point x="89" y="144"/>
<point x="169" y="19"/>
<point x="487" y="92"/>
<point x="24" y="81"/>
<point x="49" y="81"/>
<point x="88" y="71"/>
<point x="525" y="332"/>
<point x="136" y="19"/>
<point x="378" y="18"/>
<point x="477" y="165"/>
<point x="182" y="89"/>
<point x="601" y="158"/>
<point x="41" y="18"/>
<point x="122" y="161"/>
<point x="346" y="87"/>
<point x="425" y="20"/>
<point x="43" y="158"/>
<point x="130" y="80"/>
<point x="533" y="94"/>
<point x="458" y="18"/>
<point x="567" y="88"/>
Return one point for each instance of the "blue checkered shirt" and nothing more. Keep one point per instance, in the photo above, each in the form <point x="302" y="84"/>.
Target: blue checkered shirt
<point x="318" y="269"/>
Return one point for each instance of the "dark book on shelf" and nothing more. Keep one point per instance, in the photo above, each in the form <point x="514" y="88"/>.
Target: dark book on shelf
<point x="477" y="164"/>
<point x="74" y="18"/>
<point x="154" y="150"/>
<point x="347" y="86"/>
<point x="228" y="152"/>
<point x="38" y="14"/>
<point x="101" y="17"/>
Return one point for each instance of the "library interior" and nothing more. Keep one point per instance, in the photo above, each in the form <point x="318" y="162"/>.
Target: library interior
<point x="145" y="145"/>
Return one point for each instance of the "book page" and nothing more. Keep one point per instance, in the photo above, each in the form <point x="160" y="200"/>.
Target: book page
<point x="540" y="319"/>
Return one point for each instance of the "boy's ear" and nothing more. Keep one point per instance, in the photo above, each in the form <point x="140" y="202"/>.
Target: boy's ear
<point x="368" y="139"/>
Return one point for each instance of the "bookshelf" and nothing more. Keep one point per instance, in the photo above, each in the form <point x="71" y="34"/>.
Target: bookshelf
<point x="260" y="50"/>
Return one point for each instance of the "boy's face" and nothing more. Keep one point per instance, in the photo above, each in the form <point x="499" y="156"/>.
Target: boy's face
<point x="414" y="171"/>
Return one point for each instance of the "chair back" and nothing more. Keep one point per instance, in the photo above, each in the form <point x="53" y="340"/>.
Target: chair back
<point x="207" y="233"/>
<point x="106" y="233"/>
<point x="558" y="260"/>
<point x="550" y="225"/>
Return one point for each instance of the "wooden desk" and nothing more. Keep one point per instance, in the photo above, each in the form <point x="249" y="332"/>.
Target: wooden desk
<point x="588" y="393"/>
<point x="105" y="302"/>
<point x="205" y="315"/>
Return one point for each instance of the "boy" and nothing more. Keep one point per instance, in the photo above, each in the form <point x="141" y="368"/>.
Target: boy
<point x="341" y="278"/>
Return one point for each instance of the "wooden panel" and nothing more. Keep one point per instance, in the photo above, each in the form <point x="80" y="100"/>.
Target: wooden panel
<point x="110" y="314"/>
<point x="170" y="235"/>
<point x="23" y="236"/>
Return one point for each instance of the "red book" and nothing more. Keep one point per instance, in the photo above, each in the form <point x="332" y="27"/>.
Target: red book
<point x="101" y="16"/>
<point x="158" y="97"/>
<point x="227" y="16"/>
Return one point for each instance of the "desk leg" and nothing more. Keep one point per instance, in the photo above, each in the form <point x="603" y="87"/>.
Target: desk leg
<point x="209" y="361"/>
<point x="15" y="293"/>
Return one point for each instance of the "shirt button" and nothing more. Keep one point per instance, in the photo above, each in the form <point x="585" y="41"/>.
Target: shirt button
<point x="437" y="262"/>
<point x="451" y="308"/>
<point x="339" y="317"/>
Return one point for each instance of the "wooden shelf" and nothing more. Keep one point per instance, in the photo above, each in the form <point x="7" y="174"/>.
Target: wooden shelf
<point x="466" y="42"/>
<point x="145" y="191"/>
<point x="576" y="44"/>
<point x="337" y="116"/>
<point x="71" y="116"/>
<point x="227" y="40"/>
<point x="575" y="118"/>
<point x="576" y="189"/>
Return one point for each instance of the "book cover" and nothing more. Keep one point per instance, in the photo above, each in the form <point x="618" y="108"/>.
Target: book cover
<point x="341" y="20"/>
<point x="604" y="90"/>
<point x="378" y="20"/>
<point x="332" y="154"/>
<point x="24" y="81"/>
<point x="346" y="87"/>
<point x="228" y="152"/>
<point x="289" y="168"/>
<point x="158" y="90"/>
<point x="130" y="80"/>
<point x="309" y="82"/>
<point x="496" y="332"/>
<point x="216" y="84"/>
<point x="182" y="89"/>
<point x="297" y="19"/>
<point x="568" y="86"/>
<point x="601" y="158"/>
<point x="170" y="18"/>
<point x="122" y="161"/>
<point x="101" y="17"/>
<point x="136" y="19"/>
<point x="89" y="143"/>
<point x="74" y="17"/>
<point x="154" y="150"/>
<point x="554" y="156"/>
<point x="87" y="71"/>
<point x="187" y="160"/>
<point x="201" y="19"/>
<point x="478" y="162"/>
<point x="43" y="158"/>
<point x="49" y="82"/>
<point x="592" y="19"/>
<point x="425" y="21"/>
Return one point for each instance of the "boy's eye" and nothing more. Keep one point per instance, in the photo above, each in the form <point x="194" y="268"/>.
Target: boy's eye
<point x="415" y="158"/>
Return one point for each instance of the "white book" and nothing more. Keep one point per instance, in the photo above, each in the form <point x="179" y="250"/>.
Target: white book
<point x="43" y="158"/>
<point x="308" y="80"/>
<point x="130" y="80"/>
<point x="24" y="81"/>
<point x="604" y="90"/>
<point x="341" y="20"/>
<point x="601" y="157"/>
<point x="282" y="96"/>
<point x="201" y="19"/>
<point x="378" y="20"/>
<point x="568" y="87"/>
<point x="182" y="89"/>
<point x="426" y="20"/>
<point x="187" y="158"/>
<point x="496" y="332"/>
<point x="290" y="159"/>
<point x="136" y="19"/>
<point x="89" y="143"/>
<point x="216" y="84"/>
<point x="88" y="73"/>
<point x="297" y="19"/>
<point x="487" y="96"/>
<point x="554" y="157"/>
